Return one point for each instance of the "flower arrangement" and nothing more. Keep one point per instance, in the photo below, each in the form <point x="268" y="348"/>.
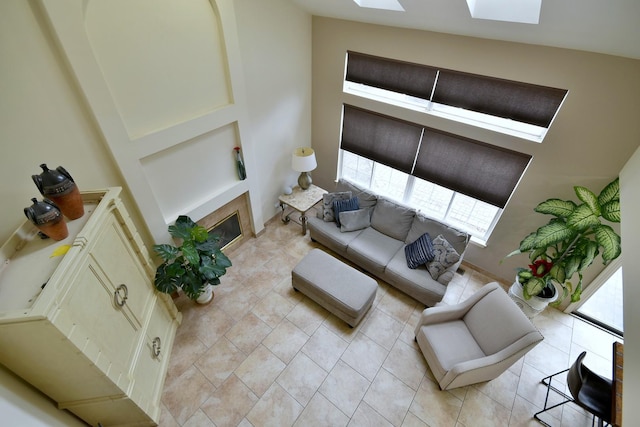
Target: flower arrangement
<point x="570" y="242"/>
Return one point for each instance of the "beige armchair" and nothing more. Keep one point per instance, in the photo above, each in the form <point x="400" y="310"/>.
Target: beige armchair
<point x="475" y="340"/>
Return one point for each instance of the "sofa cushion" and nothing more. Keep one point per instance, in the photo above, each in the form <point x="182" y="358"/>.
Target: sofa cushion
<point x="419" y="252"/>
<point x="415" y="282"/>
<point x="392" y="219"/>
<point x="444" y="256"/>
<point x="344" y="205"/>
<point x="329" y="235"/>
<point x="327" y="203"/>
<point x="366" y="198"/>
<point x="421" y="224"/>
<point x="373" y="250"/>
<point x="355" y="220"/>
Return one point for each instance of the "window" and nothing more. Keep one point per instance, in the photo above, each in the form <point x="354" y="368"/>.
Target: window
<point x="462" y="212"/>
<point x="514" y="108"/>
<point x="460" y="181"/>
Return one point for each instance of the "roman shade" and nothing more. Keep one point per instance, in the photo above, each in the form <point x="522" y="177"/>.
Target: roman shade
<point x="397" y="76"/>
<point x="479" y="170"/>
<point x="384" y="139"/>
<point x="522" y="102"/>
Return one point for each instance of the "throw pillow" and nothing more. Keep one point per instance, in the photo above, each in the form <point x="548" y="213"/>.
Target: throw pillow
<point x="355" y="220"/>
<point x="444" y="257"/>
<point x="419" y="252"/>
<point x="327" y="203"/>
<point x="343" y="206"/>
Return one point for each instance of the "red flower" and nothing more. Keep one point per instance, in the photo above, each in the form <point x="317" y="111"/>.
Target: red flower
<point x="540" y="267"/>
<point x="236" y="148"/>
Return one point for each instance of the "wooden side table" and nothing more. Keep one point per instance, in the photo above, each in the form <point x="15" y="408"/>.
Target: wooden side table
<point x="300" y="200"/>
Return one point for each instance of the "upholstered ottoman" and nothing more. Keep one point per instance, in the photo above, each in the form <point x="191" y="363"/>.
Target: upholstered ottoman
<point x="339" y="288"/>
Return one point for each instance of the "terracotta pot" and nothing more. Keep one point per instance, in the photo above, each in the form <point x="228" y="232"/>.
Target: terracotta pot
<point x="59" y="186"/>
<point x="46" y="216"/>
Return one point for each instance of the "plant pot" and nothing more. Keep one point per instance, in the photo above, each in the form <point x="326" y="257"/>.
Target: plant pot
<point x="206" y="296"/>
<point x="534" y="305"/>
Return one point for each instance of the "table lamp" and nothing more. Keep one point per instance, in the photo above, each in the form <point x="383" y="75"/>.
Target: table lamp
<point x="304" y="161"/>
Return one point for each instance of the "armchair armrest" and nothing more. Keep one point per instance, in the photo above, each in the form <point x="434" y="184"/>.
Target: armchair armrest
<point x="490" y="366"/>
<point x="445" y="313"/>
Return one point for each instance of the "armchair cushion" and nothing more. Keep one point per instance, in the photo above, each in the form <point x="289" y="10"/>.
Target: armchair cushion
<point x="475" y="340"/>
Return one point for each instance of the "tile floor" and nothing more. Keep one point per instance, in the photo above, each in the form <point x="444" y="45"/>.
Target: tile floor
<point x="263" y="355"/>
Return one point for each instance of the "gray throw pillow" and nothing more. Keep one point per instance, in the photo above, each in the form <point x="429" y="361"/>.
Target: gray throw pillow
<point x="327" y="203"/>
<point x="392" y="219"/>
<point x="344" y="205"/>
<point x="444" y="257"/>
<point x="419" y="252"/>
<point x="355" y="220"/>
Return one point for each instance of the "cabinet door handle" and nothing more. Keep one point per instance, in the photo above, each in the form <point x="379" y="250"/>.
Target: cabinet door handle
<point x="156" y="346"/>
<point x="120" y="295"/>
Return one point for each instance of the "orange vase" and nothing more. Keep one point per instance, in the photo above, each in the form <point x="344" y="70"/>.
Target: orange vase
<point x="59" y="186"/>
<point x="46" y="216"/>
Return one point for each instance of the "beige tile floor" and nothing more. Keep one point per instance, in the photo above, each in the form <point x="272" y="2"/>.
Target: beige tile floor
<point x="263" y="355"/>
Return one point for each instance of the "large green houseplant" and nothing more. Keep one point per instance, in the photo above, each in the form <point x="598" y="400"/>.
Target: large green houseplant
<point x="570" y="242"/>
<point x="196" y="262"/>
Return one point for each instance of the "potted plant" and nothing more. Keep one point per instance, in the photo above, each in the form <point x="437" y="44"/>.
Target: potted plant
<point x="569" y="243"/>
<point x="193" y="266"/>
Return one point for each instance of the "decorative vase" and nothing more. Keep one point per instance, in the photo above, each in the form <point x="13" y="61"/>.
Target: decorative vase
<point x="58" y="186"/>
<point x="46" y="216"/>
<point x="206" y="296"/>
<point x="533" y="306"/>
<point x="242" y="172"/>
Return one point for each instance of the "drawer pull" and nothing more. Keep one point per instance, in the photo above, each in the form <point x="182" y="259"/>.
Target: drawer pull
<point x="156" y="347"/>
<point x="120" y="295"/>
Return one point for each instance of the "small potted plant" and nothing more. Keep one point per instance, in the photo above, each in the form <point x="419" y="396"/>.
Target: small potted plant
<point x="195" y="265"/>
<point x="569" y="243"/>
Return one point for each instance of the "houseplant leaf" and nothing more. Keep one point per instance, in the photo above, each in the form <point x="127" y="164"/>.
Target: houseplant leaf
<point x="182" y="228"/>
<point x="533" y="287"/>
<point x="557" y="207"/>
<point x="527" y="244"/>
<point x="589" y="199"/>
<point x="552" y="233"/>
<point x="610" y="242"/>
<point x="583" y="218"/>
<point x="166" y="252"/>
<point x="190" y="253"/>
<point x="611" y="211"/>
<point x="610" y="193"/>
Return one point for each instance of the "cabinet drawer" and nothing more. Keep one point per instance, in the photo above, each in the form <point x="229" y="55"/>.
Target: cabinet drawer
<point x="111" y="412"/>
<point x="154" y="356"/>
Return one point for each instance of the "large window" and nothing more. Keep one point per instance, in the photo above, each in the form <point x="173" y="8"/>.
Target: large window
<point x="462" y="212"/>
<point x="457" y="180"/>
<point x="515" y="108"/>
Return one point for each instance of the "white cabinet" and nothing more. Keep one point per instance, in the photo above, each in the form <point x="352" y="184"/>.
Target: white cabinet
<point x="87" y="327"/>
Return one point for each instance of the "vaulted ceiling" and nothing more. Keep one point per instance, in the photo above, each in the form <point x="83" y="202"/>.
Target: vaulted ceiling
<point x="603" y="26"/>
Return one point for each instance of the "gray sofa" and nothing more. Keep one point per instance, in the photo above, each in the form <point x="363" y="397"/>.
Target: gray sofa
<point x="377" y="242"/>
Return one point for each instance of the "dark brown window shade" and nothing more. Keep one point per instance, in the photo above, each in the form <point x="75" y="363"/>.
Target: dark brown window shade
<point x="482" y="171"/>
<point x="384" y="139"/>
<point x="527" y="103"/>
<point x="397" y="76"/>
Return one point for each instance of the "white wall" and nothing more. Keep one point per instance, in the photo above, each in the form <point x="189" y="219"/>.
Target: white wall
<point x="275" y="44"/>
<point x="630" y="204"/>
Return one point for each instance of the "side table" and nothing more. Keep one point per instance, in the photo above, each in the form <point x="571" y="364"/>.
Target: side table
<point x="301" y="201"/>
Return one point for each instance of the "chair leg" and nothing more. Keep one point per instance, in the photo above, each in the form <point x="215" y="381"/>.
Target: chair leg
<point x="547" y="381"/>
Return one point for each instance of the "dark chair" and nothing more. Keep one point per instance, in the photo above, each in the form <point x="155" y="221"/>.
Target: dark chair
<point x="588" y="390"/>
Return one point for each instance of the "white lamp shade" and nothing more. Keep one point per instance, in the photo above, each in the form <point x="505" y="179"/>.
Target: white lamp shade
<point x="303" y="159"/>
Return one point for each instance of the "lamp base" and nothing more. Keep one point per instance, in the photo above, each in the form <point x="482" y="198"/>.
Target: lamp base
<point x="304" y="180"/>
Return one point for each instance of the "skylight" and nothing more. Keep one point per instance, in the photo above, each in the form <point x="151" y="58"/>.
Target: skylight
<point x="381" y="4"/>
<point x="522" y="11"/>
